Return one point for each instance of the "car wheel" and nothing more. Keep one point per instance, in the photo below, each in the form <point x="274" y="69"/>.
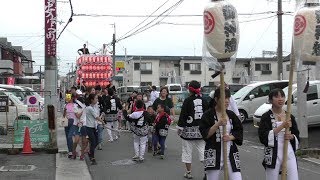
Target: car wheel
<point x="3" y="131"/>
<point x="243" y="116"/>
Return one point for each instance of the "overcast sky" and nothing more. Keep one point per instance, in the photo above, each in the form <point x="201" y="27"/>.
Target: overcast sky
<point x="24" y="26"/>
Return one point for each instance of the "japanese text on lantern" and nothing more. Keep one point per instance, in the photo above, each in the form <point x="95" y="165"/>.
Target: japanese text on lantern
<point x="50" y="27"/>
<point x="230" y="28"/>
<point x="316" y="45"/>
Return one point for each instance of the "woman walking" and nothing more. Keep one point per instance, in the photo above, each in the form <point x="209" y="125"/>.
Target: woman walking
<point x="70" y="113"/>
<point x="272" y="136"/>
<point x="211" y="129"/>
<point x="91" y="116"/>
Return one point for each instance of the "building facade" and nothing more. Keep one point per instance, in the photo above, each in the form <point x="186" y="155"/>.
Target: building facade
<point x="15" y="63"/>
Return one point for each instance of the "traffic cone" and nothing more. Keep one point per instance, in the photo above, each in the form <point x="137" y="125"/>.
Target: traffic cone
<point x="27" y="142"/>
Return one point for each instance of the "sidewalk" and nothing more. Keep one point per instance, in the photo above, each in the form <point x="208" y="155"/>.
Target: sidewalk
<point x="68" y="168"/>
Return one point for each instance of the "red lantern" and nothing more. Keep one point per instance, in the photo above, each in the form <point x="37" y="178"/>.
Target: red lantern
<point x="94" y="68"/>
<point x="90" y="68"/>
<point x="94" y="75"/>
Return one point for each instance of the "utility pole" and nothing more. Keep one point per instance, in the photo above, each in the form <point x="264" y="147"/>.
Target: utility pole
<point x="280" y="60"/>
<point x="114" y="50"/>
<point x="140" y="70"/>
<point x="125" y="71"/>
<point x="50" y="58"/>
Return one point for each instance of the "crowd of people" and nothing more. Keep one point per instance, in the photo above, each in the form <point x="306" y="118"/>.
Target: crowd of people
<point x="148" y="116"/>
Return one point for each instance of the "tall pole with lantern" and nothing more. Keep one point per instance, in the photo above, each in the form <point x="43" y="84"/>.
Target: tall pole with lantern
<point x="221" y="38"/>
<point x="306" y="49"/>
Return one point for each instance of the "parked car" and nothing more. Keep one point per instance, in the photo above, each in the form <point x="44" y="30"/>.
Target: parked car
<point x="17" y="110"/>
<point x="313" y="104"/>
<point x="16" y="90"/>
<point x="250" y="97"/>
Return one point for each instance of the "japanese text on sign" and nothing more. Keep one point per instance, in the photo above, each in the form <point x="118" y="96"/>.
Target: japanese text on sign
<point x="50" y="27"/>
<point x="316" y="45"/>
<point x="230" y="28"/>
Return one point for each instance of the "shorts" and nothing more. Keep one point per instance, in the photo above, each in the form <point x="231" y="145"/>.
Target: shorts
<point x="187" y="147"/>
<point x="76" y="132"/>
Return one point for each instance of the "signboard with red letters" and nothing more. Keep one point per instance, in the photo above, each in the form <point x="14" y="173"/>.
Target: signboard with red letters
<point x="33" y="104"/>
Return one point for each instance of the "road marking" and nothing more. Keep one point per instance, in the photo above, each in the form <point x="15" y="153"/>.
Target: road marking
<point x="315" y="172"/>
<point x="123" y="162"/>
<point x="246" y="150"/>
<point x="12" y="168"/>
<point x="312" y="160"/>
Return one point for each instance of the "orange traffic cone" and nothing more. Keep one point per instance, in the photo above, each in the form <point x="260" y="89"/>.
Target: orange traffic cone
<point x="27" y="142"/>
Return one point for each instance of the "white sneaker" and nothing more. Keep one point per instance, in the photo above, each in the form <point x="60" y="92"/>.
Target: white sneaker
<point x="188" y="175"/>
<point x="141" y="159"/>
<point x="110" y="140"/>
<point x="116" y="138"/>
<point x="135" y="158"/>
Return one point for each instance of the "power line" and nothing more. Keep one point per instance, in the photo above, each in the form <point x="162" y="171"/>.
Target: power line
<point x="257" y="19"/>
<point x="69" y="21"/>
<point x="82" y="39"/>
<point x="145" y="19"/>
<point x="145" y="27"/>
<point x="173" y="15"/>
<point x="261" y="37"/>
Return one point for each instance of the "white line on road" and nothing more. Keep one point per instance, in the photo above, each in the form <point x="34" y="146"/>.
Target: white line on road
<point x="315" y="172"/>
<point x="312" y="160"/>
<point x="246" y="150"/>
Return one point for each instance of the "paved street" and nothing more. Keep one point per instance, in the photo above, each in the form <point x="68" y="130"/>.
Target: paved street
<point x="250" y="133"/>
<point x="114" y="161"/>
<point x="38" y="166"/>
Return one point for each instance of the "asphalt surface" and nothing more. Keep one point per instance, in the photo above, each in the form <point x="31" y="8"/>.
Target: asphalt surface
<point x="114" y="161"/>
<point x="38" y="166"/>
<point x="251" y="133"/>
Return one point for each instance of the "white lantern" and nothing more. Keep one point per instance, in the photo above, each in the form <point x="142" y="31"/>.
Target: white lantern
<point x="221" y="30"/>
<point x="307" y="33"/>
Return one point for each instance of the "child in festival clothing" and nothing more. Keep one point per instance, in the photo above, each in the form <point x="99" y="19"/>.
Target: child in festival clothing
<point x="150" y="124"/>
<point x="139" y="125"/>
<point x="161" y="126"/>
<point x="272" y="135"/>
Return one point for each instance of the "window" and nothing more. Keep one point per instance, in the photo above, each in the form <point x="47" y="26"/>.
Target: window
<point x="279" y="85"/>
<point x="146" y="66"/>
<point x="136" y="66"/>
<point x="263" y="67"/>
<point x="260" y="91"/>
<point x="195" y="67"/>
<point x="312" y="93"/>
<point x="258" y="67"/>
<point x="288" y="67"/>
<point x="186" y="66"/>
<point x="143" y="89"/>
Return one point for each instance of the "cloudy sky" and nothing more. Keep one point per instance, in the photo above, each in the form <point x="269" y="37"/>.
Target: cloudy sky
<point x="24" y="26"/>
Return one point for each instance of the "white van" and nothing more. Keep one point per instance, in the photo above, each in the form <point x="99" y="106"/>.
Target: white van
<point x="16" y="110"/>
<point x="174" y="88"/>
<point x="16" y="90"/>
<point x="313" y="104"/>
<point x="250" y="97"/>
